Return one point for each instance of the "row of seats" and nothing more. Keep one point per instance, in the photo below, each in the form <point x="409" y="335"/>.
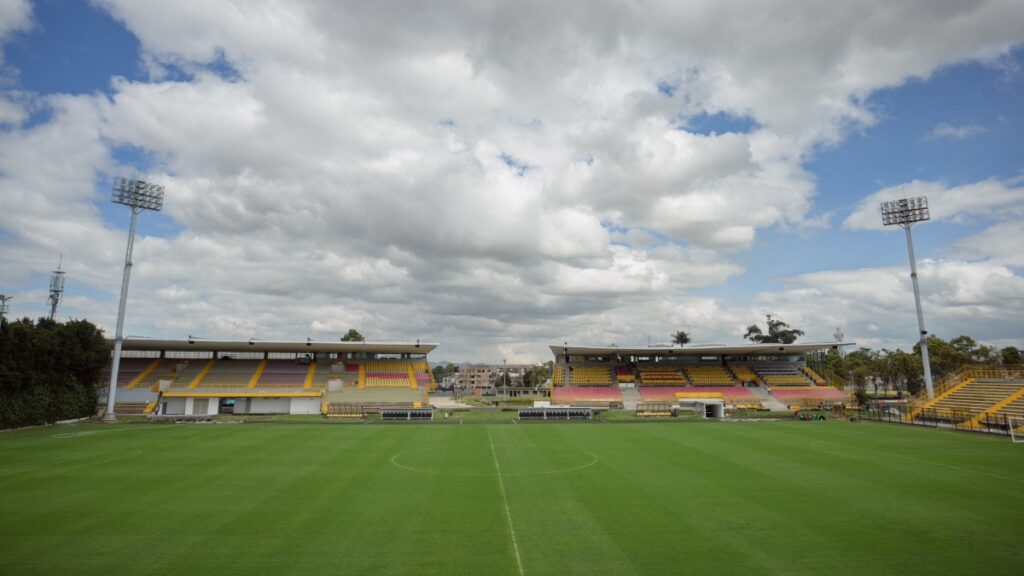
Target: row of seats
<point x="230" y="374"/>
<point x="590" y="375"/>
<point x="660" y="376"/>
<point x="586" y="393"/>
<point x="977" y="396"/>
<point x="731" y="393"/>
<point x="707" y="375"/>
<point x="283" y="374"/>
<point x="744" y="373"/>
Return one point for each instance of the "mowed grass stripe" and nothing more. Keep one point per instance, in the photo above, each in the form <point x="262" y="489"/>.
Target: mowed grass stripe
<point x="777" y="498"/>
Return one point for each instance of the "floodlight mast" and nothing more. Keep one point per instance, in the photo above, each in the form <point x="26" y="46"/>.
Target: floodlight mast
<point x="56" y="288"/>
<point x="905" y="212"/>
<point x="3" y="306"/>
<point x="137" y="195"/>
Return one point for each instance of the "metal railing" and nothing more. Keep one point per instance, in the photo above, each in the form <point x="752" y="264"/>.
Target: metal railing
<point x="963" y="373"/>
<point x="957" y="419"/>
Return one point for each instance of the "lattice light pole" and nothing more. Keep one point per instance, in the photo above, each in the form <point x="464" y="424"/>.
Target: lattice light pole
<point x="56" y="288"/>
<point x="3" y="306"/>
<point x="905" y="212"/>
<point x="138" y="196"/>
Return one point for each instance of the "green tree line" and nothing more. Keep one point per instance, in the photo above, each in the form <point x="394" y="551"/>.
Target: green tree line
<point x="48" y="370"/>
<point x="902" y="371"/>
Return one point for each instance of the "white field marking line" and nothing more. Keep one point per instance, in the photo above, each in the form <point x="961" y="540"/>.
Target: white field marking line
<point x="396" y="462"/>
<point x="91" y="432"/>
<point x="504" y="499"/>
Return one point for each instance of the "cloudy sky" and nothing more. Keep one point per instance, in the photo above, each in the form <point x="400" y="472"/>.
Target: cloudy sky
<point x="499" y="176"/>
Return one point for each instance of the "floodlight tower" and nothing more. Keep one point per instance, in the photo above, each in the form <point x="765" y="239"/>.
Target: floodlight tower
<point x="56" y="287"/>
<point x="3" y="306"/>
<point x="138" y="196"/>
<point x="838" y="335"/>
<point x="905" y="212"/>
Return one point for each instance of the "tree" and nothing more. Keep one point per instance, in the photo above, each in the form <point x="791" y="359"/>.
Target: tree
<point x="681" y="338"/>
<point x="1010" y="356"/>
<point x="778" y="333"/>
<point x="49" y="370"/>
<point x="353" y="335"/>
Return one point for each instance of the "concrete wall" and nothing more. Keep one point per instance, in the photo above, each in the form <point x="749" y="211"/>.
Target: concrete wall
<point x="269" y="405"/>
<point x="174" y="405"/>
<point x="305" y="406"/>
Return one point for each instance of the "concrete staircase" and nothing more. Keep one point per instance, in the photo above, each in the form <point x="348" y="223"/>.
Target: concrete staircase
<point x="630" y="398"/>
<point x="767" y="400"/>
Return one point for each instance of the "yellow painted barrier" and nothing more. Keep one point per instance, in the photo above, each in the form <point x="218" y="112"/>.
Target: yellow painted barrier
<point x="256" y="375"/>
<point x="309" y="376"/>
<point x="206" y="370"/>
<point x="242" y="393"/>
<point x="149" y="370"/>
<point x="997" y="407"/>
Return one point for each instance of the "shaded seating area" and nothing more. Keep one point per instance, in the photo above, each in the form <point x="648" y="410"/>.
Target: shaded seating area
<point x="283" y="374"/>
<point x="706" y="375"/>
<point x="230" y="373"/>
<point x="661" y="376"/>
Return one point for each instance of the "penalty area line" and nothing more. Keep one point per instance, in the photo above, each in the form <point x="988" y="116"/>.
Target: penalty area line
<point x="504" y="500"/>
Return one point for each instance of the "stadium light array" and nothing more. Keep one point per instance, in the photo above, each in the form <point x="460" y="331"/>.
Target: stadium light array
<point x="906" y="212"/>
<point x="137" y="195"/>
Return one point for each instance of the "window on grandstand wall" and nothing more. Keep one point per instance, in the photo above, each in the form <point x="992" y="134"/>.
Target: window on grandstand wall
<point x="190" y="354"/>
<point x="140" y="354"/>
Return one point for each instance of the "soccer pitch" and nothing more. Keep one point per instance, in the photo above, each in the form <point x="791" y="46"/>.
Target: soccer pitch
<point x="660" y="498"/>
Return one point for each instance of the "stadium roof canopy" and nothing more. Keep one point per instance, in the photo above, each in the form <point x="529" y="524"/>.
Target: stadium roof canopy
<point x="699" y="350"/>
<point x="199" y="345"/>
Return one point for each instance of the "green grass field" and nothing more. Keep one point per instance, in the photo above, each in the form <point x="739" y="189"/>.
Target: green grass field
<point x="790" y="497"/>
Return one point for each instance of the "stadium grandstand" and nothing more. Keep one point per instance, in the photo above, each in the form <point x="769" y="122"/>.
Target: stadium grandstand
<point x="972" y="395"/>
<point x="768" y="376"/>
<point x="195" y="378"/>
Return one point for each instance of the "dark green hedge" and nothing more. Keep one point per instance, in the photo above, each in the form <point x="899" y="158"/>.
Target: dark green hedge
<point x="48" y="370"/>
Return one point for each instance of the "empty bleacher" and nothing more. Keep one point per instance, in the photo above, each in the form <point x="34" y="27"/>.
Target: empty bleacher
<point x="731" y="394"/>
<point x="590" y="376"/>
<point x="186" y="371"/>
<point x="744" y="373"/>
<point x="569" y="394"/>
<point x="387" y="374"/>
<point x="624" y="374"/>
<point x="814" y="376"/>
<point x="127" y="371"/>
<point x="283" y="374"/>
<point x="975" y="396"/>
<point x="1014" y="408"/>
<point x="782" y="374"/>
<point x="661" y="375"/>
<point x="707" y="375"/>
<point x="353" y="399"/>
<point x="229" y="373"/>
<point x="558" y="376"/>
<point x="808" y="395"/>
